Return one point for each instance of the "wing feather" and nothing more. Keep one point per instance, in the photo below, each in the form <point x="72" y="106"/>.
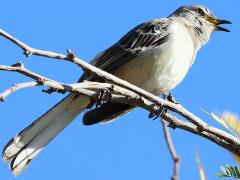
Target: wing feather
<point x="148" y="35"/>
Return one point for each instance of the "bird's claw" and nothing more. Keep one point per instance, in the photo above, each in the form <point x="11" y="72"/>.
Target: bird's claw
<point x="160" y="111"/>
<point x="103" y="96"/>
<point x="171" y="125"/>
<point x="170" y="98"/>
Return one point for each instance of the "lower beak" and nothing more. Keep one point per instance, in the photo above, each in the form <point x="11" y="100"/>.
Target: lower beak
<point x="217" y="22"/>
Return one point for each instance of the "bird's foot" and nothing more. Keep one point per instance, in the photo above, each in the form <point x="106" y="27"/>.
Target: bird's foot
<point x="103" y="96"/>
<point x="100" y="98"/>
<point x="171" y="125"/>
<point x="170" y="98"/>
<point x="160" y="111"/>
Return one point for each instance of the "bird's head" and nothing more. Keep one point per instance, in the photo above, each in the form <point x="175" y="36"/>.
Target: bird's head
<point x="200" y="20"/>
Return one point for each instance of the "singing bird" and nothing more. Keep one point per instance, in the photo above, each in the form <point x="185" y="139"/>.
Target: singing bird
<point x="155" y="56"/>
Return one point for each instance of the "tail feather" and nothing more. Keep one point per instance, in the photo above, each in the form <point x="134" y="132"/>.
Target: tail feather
<point x="28" y="143"/>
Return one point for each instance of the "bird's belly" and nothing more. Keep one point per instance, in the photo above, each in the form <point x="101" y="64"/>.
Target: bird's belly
<point x="158" y="72"/>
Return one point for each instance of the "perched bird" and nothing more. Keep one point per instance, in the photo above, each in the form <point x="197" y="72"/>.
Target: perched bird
<point x="155" y="55"/>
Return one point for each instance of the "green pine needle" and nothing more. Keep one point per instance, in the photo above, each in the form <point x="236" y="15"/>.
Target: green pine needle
<point x="229" y="171"/>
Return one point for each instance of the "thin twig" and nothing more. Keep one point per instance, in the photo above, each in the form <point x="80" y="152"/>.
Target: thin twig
<point x="175" y="157"/>
<point x="200" y="167"/>
<point x="17" y="87"/>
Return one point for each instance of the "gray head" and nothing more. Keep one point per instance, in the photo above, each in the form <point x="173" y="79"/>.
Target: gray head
<point x="200" y="21"/>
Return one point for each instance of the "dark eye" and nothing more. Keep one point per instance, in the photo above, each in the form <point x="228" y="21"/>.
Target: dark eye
<point x="200" y="11"/>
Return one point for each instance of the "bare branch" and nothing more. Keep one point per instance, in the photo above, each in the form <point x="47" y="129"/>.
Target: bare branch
<point x="122" y="95"/>
<point x="200" y="168"/>
<point x="175" y="157"/>
<point x="16" y="87"/>
<point x="181" y="124"/>
<point x="122" y="92"/>
<point x="110" y="78"/>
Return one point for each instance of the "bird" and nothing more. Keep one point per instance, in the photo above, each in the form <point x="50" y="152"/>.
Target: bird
<point x="155" y="56"/>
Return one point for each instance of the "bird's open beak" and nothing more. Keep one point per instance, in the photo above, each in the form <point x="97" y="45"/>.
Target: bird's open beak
<point x="217" y="22"/>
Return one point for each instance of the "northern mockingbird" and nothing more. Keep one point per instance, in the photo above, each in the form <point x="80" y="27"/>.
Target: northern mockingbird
<point x="155" y="55"/>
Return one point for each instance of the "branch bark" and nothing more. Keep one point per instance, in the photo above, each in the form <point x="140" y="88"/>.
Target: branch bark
<point x="175" y="157"/>
<point x="17" y="87"/>
<point x="121" y="91"/>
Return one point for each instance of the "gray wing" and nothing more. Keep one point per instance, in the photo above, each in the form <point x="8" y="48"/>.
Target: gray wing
<point x="143" y="37"/>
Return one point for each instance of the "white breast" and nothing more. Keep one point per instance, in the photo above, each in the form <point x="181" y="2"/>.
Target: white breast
<point x="161" y="69"/>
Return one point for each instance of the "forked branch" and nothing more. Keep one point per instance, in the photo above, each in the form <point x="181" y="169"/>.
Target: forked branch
<point x="121" y="91"/>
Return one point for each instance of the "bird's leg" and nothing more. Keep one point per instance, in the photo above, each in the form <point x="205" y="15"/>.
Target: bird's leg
<point x="103" y="96"/>
<point x="160" y="111"/>
<point x="170" y="98"/>
<point x="53" y="90"/>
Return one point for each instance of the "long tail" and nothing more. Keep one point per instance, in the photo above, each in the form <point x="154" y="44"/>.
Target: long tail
<point x="25" y="146"/>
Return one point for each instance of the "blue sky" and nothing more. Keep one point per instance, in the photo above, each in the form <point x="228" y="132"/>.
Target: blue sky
<point x="132" y="147"/>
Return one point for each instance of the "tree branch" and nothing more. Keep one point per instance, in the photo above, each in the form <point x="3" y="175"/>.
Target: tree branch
<point x="91" y="90"/>
<point x="175" y="157"/>
<point x="28" y="51"/>
<point x="17" y="87"/>
<point x="121" y="92"/>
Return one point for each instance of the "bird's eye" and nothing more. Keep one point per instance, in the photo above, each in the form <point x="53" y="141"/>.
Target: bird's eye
<point x="200" y="11"/>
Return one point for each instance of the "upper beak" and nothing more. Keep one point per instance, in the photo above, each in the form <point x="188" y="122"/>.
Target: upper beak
<point x="217" y="22"/>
